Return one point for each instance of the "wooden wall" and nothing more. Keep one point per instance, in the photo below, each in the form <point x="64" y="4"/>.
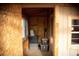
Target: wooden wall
<point x="38" y="23"/>
<point x="10" y="30"/>
<point x="63" y="15"/>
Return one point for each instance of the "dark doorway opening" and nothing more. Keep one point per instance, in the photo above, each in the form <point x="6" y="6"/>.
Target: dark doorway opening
<point x="38" y="31"/>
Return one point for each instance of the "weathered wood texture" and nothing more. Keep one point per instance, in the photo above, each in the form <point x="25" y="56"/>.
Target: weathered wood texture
<point x="10" y="27"/>
<point x="62" y="29"/>
<point x="10" y="30"/>
<point x="38" y="23"/>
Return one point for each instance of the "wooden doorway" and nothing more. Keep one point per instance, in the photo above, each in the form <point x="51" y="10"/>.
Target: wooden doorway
<point x="40" y="21"/>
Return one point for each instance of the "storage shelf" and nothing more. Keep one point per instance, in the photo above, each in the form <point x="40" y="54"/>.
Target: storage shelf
<point x="75" y="32"/>
<point x="75" y="25"/>
<point x="75" y="38"/>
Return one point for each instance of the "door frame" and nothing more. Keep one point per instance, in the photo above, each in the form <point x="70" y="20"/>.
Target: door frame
<point x="51" y="30"/>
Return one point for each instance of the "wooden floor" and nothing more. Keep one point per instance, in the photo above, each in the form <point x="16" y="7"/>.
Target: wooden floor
<point x="34" y="50"/>
<point x="37" y="53"/>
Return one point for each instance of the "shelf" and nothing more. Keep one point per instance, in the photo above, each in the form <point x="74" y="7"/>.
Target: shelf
<point x="75" y="25"/>
<point x="77" y="32"/>
<point x="75" y="38"/>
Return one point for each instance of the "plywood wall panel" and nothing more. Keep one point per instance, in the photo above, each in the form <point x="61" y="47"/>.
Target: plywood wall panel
<point x="38" y="24"/>
<point x="10" y="31"/>
<point x="62" y="18"/>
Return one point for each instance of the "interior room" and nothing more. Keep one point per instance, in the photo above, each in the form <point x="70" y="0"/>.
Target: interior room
<point x="37" y="28"/>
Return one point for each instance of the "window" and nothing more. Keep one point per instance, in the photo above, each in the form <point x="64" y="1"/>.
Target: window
<point x="75" y="31"/>
<point x="23" y="28"/>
